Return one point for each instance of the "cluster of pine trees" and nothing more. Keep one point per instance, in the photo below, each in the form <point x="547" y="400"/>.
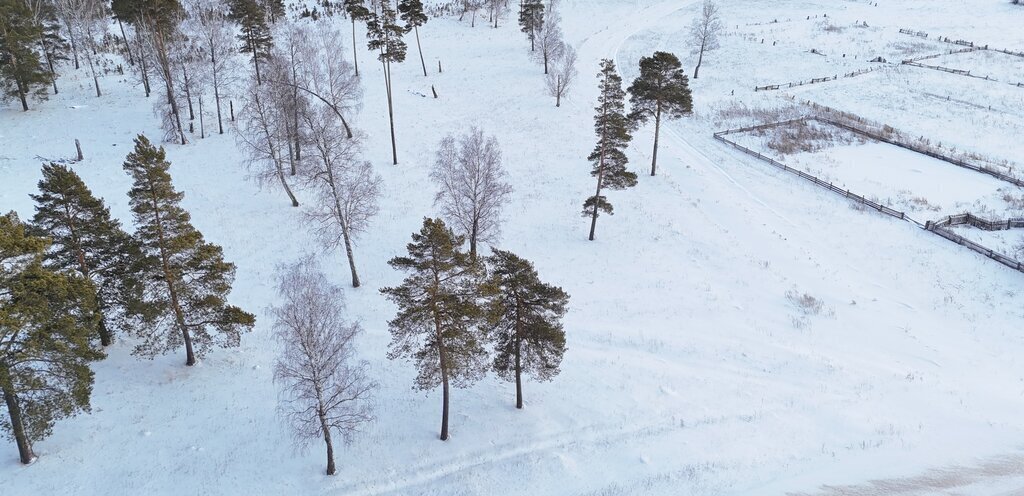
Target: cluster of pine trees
<point x="661" y="91"/>
<point x="451" y="307"/>
<point x="72" y="277"/>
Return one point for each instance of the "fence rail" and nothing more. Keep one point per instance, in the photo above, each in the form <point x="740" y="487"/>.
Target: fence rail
<point x="720" y="136"/>
<point x="940" y="227"/>
<point x="937" y="227"/>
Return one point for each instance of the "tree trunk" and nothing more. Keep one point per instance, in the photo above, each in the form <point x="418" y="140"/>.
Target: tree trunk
<point x="330" y="445"/>
<point x="188" y="94"/>
<point x="105" y="338"/>
<point x="255" y="56"/>
<point x="127" y="47"/>
<point x="169" y="279"/>
<point x="18" y="427"/>
<point x="600" y="175"/>
<point x="355" y="54"/>
<point x="351" y="257"/>
<point x="391" y="112"/>
<point x="657" y="130"/>
<point x="202" y="125"/>
<point x="284" y="183"/>
<point x="216" y="94"/>
<point x="474" y="232"/>
<point x="700" y="58"/>
<point x="545" y="63"/>
<point x="444" y="403"/>
<point x="22" y="95"/>
<point x="165" y="66"/>
<point x="145" y="69"/>
<point x="74" y="45"/>
<point x="420" y="48"/>
<point x="49" y="63"/>
<point x="519" y="357"/>
<point x="558" y="90"/>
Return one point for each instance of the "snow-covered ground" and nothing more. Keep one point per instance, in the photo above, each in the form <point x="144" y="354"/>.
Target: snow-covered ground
<point x="689" y="370"/>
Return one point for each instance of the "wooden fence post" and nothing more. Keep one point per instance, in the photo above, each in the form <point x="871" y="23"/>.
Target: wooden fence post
<point x="78" y="147"/>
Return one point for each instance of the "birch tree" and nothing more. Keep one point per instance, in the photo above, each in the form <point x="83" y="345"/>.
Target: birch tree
<point x="704" y="31"/>
<point x="324" y="390"/>
<point x="263" y="136"/>
<point x="346" y="188"/>
<point x="550" y="46"/>
<point x="210" y="25"/>
<point x="471" y="186"/>
<point x="563" y="74"/>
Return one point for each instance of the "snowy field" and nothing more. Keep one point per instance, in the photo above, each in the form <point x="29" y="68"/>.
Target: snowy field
<point x="994" y="65"/>
<point x="693" y="367"/>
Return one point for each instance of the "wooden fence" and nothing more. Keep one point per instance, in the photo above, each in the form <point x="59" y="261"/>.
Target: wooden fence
<point x="720" y="136"/>
<point x="937" y="227"/>
<point x="918" y="149"/>
<point x="919" y="34"/>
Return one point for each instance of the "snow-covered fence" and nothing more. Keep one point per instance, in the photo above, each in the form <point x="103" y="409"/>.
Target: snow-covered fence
<point x="937" y="55"/>
<point x="891" y="138"/>
<point x="939" y="227"/>
<point x="720" y="136"/>
<point x="769" y="87"/>
<point x="919" y="34"/>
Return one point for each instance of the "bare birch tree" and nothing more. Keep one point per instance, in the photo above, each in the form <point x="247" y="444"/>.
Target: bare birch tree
<point x="346" y="188"/>
<point x="562" y="75"/>
<point x="85" y="22"/>
<point x="210" y="26"/>
<point x="325" y="390"/>
<point x="549" y="46"/>
<point x="471" y="186"/>
<point x="704" y="31"/>
<point x="262" y="135"/>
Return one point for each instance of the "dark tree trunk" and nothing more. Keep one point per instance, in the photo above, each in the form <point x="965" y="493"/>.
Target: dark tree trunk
<point x="351" y="257"/>
<point x="657" y="131"/>
<point x="216" y="93"/>
<point x="700" y="58"/>
<point x="519" y="356"/>
<point x="284" y="183"/>
<point x="202" y="125"/>
<point x="105" y="338"/>
<point x="18" y="427"/>
<point x="420" y="48"/>
<point x="127" y="47"/>
<point x="391" y="112"/>
<point x="474" y="232"/>
<point x="600" y="178"/>
<point x="444" y="404"/>
<point x="355" y="54"/>
<point x="558" y="91"/>
<point x="22" y="95"/>
<point x="330" y="445"/>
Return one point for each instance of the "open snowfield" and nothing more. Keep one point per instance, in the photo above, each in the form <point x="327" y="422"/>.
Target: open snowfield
<point x="689" y="369"/>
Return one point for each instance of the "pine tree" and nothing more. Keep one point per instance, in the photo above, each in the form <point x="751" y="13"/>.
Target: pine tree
<point x="384" y="34"/>
<point x="255" y="37"/>
<point x="661" y="89"/>
<point x="525" y="314"/>
<point x="436" y="324"/>
<point x="412" y="14"/>
<point x="87" y="241"/>
<point x="609" y="157"/>
<point x="22" y="73"/>
<point x="531" y="19"/>
<point x="46" y="320"/>
<point x="186" y="279"/>
<point x="356" y="11"/>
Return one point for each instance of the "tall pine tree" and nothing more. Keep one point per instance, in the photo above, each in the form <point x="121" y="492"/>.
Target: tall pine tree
<point x="609" y="157"/>
<point x="186" y="279"/>
<point x="525" y="315"/>
<point x="46" y="321"/>
<point x="384" y="34"/>
<point x="22" y="72"/>
<point x="86" y="241"/>
<point x="531" y="19"/>
<point x="412" y="13"/>
<point x="356" y="11"/>
<point x="256" y="39"/>
<point x="661" y="90"/>
<point x="437" y="321"/>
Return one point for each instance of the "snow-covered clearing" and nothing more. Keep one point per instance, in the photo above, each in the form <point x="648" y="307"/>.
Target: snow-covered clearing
<point x="689" y="370"/>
